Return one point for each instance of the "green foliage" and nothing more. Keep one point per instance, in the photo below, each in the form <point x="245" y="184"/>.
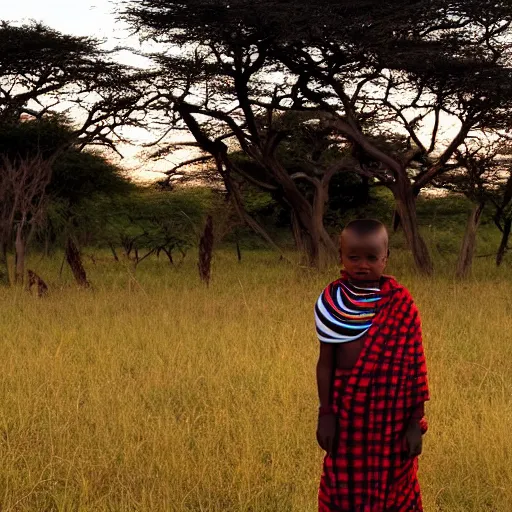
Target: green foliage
<point x="258" y="202"/>
<point x="76" y="174"/>
<point x="26" y="139"/>
<point x="145" y="219"/>
<point x="79" y="174"/>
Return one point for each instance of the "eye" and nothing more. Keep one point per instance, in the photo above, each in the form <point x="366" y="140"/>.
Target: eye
<point x="372" y="257"/>
<point x="353" y="258"/>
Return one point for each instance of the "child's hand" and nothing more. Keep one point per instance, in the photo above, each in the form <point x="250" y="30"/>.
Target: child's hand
<point x="414" y="439"/>
<point x="326" y="432"/>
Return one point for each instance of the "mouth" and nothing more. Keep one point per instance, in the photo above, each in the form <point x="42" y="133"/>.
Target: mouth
<point x="363" y="276"/>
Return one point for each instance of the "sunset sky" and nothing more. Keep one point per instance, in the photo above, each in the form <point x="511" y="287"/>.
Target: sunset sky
<point x="83" y="18"/>
<point x="92" y="18"/>
<point x="96" y="18"/>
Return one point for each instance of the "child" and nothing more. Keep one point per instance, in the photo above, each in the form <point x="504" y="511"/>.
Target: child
<point x="372" y="382"/>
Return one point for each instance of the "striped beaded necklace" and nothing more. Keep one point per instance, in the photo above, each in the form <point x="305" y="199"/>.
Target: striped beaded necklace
<point x="344" y="312"/>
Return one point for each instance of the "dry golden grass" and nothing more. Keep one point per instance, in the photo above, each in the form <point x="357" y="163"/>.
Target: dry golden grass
<point x="153" y="393"/>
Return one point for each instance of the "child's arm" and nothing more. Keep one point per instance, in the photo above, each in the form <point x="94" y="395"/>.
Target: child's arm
<point x="324" y="375"/>
<point x="417" y="425"/>
<point x="419" y="412"/>
<point x="324" y="371"/>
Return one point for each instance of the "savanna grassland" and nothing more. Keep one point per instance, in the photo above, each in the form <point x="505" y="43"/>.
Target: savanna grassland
<point x="152" y="392"/>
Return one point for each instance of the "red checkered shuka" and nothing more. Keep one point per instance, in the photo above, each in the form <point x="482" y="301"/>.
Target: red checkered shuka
<point x="374" y="403"/>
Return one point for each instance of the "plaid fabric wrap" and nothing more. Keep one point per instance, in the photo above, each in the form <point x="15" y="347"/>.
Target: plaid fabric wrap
<point x="369" y="471"/>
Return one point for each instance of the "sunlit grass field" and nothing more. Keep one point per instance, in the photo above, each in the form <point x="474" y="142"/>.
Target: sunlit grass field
<point x="152" y="392"/>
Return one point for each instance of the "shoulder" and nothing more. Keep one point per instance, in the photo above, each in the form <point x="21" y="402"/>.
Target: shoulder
<point x="400" y="294"/>
<point x="390" y="283"/>
<point x="333" y="284"/>
<point x="329" y="288"/>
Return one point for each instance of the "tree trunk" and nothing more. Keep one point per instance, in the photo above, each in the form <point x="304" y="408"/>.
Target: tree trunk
<point x="113" y="251"/>
<point x="75" y="262"/>
<point x="332" y="250"/>
<point x="300" y="244"/>
<point x="406" y="208"/>
<point x="238" y="251"/>
<point x="323" y="250"/>
<point x="4" y="266"/>
<point x="236" y="199"/>
<point x="168" y="253"/>
<point x="328" y="250"/>
<point x="306" y="232"/>
<point x="307" y="221"/>
<point x="507" y="226"/>
<point x="318" y="245"/>
<point x="20" y="248"/>
<point x="314" y="244"/>
<point x="467" y="249"/>
<point x="206" y="251"/>
<point x="316" y="253"/>
<point x="396" y="220"/>
<point x="309" y="235"/>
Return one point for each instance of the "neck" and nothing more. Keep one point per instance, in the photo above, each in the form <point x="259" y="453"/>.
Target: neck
<point x="376" y="283"/>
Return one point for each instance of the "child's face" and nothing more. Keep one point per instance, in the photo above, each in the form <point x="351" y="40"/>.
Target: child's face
<point x="364" y="257"/>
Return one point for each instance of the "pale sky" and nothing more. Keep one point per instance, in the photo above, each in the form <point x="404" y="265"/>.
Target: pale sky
<point x="96" y="18"/>
<point x="91" y="18"/>
<point x="83" y="17"/>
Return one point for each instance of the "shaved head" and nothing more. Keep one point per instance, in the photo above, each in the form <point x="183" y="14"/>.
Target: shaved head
<point x="365" y="226"/>
<point x="368" y="231"/>
<point x="364" y="249"/>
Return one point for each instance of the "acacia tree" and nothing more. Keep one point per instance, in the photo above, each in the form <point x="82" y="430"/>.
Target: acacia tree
<point x="223" y="89"/>
<point x="481" y="177"/>
<point x="362" y="67"/>
<point x="484" y="176"/>
<point x="410" y="66"/>
<point x="43" y="71"/>
<point x="502" y="201"/>
<point x="503" y="219"/>
<point x="307" y="148"/>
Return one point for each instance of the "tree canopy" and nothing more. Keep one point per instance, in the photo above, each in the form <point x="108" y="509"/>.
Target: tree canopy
<point x="43" y="71"/>
<point x="367" y="70"/>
